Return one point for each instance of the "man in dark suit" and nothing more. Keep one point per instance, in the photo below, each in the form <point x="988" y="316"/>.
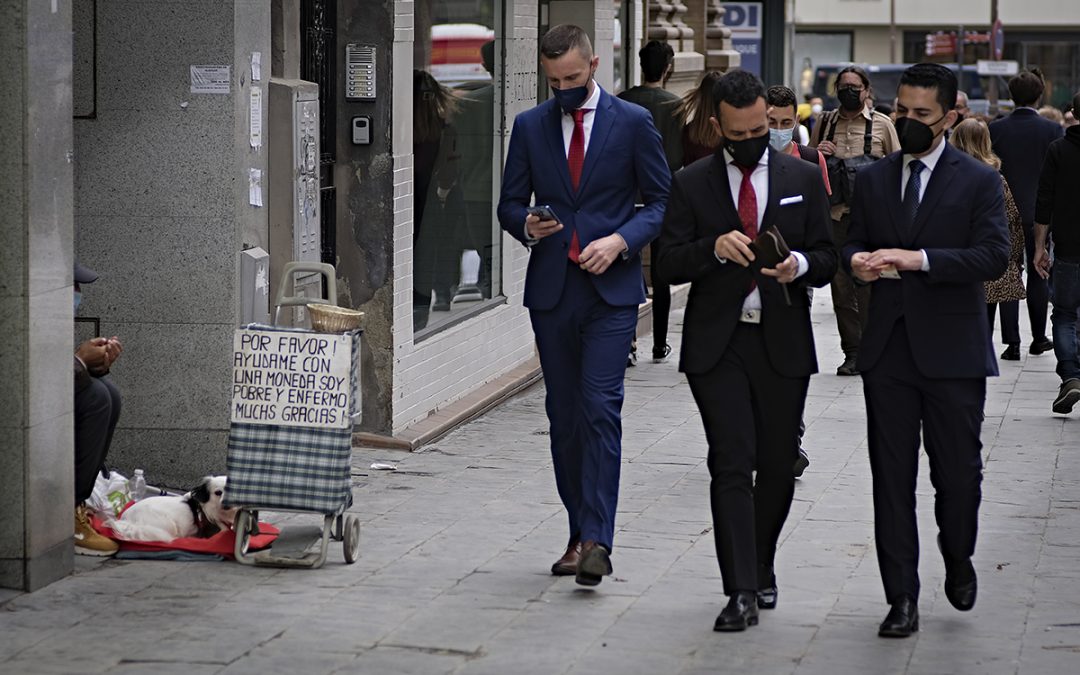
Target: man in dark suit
<point x="748" y="346"/>
<point x="1021" y="141"/>
<point x="587" y="156"/>
<point x="927" y="229"/>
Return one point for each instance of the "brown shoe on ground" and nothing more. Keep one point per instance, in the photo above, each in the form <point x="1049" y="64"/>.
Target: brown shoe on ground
<point x="594" y="565"/>
<point x="567" y="565"/>
<point x="87" y="540"/>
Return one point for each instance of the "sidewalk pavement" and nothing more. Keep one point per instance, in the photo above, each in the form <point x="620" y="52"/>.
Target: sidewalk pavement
<point x="456" y="545"/>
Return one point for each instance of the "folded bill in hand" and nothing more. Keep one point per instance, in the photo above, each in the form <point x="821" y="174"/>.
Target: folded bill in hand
<point x="769" y="248"/>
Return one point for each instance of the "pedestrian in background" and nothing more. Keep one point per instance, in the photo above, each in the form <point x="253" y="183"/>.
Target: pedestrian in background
<point x="1057" y="212"/>
<point x="1021" y="141"/>
<point x="699" y="138"/>
<point x="973" y="137"/>
<point x="657" y="63"/>
<point x="748" y="345"/>
<point x="851" y="137"/>
<point x="586" y="156"/>
<point x="927" y="231"/>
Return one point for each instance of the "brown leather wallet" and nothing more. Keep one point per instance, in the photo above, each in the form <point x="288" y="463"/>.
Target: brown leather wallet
<point x="769" y="248"/>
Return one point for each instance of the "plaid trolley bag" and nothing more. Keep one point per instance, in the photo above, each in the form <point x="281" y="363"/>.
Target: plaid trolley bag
<point x="295" y="394"/>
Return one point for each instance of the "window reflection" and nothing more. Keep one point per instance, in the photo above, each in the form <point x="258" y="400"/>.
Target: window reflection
<point x="454" y="230"/>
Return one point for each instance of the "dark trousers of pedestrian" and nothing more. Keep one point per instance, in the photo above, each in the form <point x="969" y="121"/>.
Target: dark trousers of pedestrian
<point x="661" y="307"/>
<point x="751" y="416"/>
<point x="1010" y="320"/>
<point x="1066" y="298"/>
<point x="851" y="302"/>
<point x="583" y="342"/>
<point x="1038" y="295"/>
<point x="97" y="410"/>
<point x="900" y="400"/>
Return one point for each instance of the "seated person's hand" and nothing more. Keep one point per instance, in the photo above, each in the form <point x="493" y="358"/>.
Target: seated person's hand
<point x="95" y="354"/>
<point x="113" y="349"/>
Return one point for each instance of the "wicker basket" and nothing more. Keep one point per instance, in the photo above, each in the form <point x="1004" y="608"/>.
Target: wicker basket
<point x="332" y="319"/>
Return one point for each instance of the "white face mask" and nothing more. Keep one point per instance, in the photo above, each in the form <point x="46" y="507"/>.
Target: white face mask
<point x="816" y="108"/>
<point x="779" y="139"/>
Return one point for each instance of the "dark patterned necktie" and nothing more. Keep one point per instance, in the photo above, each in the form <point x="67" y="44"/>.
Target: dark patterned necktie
<point x="910" y="206"/>
<point x="748" y="209"/>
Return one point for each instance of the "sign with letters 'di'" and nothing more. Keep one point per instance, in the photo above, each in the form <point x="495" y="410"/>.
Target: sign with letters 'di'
<point x="291" y="378"/>
<point x="744" y="20"/>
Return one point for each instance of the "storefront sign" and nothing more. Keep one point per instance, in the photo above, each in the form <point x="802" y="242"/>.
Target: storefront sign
<point x="291" y="378"/>
<point x="745" y="21"/>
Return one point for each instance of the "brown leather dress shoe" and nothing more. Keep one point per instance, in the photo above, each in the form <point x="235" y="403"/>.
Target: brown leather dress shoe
<point x="595" y="564"/>
<point x="567" y="565"/>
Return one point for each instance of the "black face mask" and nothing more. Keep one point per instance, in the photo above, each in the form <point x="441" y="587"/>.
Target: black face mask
<point x="747" y="152"/>
<point x="915" y="137"/>
<point x="849" y="99"/>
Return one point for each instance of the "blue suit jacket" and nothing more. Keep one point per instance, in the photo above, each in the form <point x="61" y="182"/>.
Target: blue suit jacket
<point x="625" y="157"/>
<point x="1021" y="141"/>
<point x="962" y="226"/>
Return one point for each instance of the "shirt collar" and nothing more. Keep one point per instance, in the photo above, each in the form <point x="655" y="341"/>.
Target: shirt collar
<point x="931" y="160"/>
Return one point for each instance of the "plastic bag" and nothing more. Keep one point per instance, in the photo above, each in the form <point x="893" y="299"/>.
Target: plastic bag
<point x="110" y="495"/>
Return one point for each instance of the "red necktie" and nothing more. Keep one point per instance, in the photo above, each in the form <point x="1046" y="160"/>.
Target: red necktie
<point x="748" y="209"/>
<point x="576" y="160"/>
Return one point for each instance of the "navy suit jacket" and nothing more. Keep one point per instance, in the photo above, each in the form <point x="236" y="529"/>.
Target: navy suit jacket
<point x="961" y="225"/>
<point x="700" y="210"/>
<point x="625" y="157"/>
<point x="1021" y="141"/>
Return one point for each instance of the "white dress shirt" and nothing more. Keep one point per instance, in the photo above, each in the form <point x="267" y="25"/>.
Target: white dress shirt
<point x="759" y="179"/>
<point x="930" y="161"/>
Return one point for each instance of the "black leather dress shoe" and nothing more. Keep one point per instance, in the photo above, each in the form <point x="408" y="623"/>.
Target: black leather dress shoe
<point x="1043" y="344"/>
<point x="902" y="620"/>
<point x="741" y="611"/>
<point x="766" y="592"/>
<point x="961" y="583"/>
<point x="594" y="565"/>
<point x="1011" y="353"/>
<point x="848" y="367"/>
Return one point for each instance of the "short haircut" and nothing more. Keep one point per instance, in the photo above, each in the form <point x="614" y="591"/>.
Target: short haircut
<point x="780" y="96"/>
<point x="738" y="88"/>
<point x="852" y="69"/>
<point x="487" y="56"/>
<point x="932" y="76"/>
<point x="1026" y="87"/>
<point x="564" y="38"/>
<point x="655" y="58"/>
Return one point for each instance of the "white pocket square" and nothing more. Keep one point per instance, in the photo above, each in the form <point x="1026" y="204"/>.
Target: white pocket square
<point x="790" y="200"/>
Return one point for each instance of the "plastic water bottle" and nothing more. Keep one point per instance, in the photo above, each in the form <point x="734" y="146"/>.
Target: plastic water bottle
<point x="137" y="485"/>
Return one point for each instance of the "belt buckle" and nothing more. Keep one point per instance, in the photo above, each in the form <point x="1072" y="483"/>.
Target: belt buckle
<point x="750" y="316"/>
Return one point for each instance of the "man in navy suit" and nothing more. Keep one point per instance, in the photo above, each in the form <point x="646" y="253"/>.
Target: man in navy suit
<point x="1021" y="141"/>
<point x="748" y="345"/>
<point x="928" y="228"/>
<point x="585" y="155"/>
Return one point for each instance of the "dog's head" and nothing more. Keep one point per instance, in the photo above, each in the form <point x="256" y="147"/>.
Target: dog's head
<point x="209" y="495"/>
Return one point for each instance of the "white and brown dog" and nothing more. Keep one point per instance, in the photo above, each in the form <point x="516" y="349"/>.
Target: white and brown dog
<point x="199" y="513"/>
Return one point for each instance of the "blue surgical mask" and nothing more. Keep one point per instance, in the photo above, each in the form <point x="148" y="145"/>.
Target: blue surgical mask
<point x="780" y="138"/>
<point x="572" y="98"/>
<point x="78" y="300"/>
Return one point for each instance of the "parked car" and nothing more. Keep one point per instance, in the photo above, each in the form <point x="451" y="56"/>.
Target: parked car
<point x="455" y="54"/>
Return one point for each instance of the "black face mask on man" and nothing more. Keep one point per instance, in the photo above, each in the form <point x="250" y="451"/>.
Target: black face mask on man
<point x="850" y="99"/>
<point x="748" y="151"/>
<point x="915" y="137"/>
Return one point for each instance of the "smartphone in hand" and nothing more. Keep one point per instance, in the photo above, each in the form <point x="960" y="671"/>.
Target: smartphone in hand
<point x="543" y="212"/>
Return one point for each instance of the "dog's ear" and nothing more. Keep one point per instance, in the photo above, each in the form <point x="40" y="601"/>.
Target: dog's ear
<point x="201" y="493"/>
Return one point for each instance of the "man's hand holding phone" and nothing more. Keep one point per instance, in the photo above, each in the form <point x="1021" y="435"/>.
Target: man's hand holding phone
<point x="541" y="222"/>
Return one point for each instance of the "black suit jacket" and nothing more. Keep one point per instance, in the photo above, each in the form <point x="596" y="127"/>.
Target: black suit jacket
<point x="962" y="226"/>
<point x="700" y="208"/>
<point x="1021" y="141"/>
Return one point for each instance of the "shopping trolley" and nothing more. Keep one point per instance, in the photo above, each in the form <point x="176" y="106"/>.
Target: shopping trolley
<point x="296" y="396"/>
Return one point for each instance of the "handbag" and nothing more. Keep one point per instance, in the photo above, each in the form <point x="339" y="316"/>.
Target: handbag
<point x="842" y="172"/>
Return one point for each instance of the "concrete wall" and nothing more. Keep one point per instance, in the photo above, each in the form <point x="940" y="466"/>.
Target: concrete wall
<point x="36" y="456"/>
<point x="161" y="211"/>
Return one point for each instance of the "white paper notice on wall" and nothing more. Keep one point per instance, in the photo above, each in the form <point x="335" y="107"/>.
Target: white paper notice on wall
<point x="211" y="79"/>
<point x="256" y="66"/>
<point x="255" y="115"/>
<point x="291" y="378"/>
<point x="255" y="187"/>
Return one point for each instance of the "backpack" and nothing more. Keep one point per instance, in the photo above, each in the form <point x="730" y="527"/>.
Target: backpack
<point x="842" y="172"/>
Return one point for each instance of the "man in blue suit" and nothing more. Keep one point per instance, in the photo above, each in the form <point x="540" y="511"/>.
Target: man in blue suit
<point x="1021" y="141"/>
<point x="928" y="228"/>
<point x="586" y="156"/>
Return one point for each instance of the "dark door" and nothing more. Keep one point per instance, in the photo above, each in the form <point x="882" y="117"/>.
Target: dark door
<point x="317" y="58"/>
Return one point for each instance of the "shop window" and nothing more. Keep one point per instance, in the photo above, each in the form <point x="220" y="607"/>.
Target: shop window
<point x="457" y="151"/>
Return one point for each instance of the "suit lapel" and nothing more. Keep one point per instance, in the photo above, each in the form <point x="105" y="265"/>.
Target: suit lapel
<point x="939" y="182"/>
<point x="603" y="120"/>
<point x="554" y="132"/>
<point x="777" y="173"/>
<point x="894" y="177"/>
<point x="721" y="187"/>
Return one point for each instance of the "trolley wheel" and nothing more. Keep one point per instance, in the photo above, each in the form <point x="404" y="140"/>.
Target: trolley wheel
<point x="243" y="527"/>
<point x="351" y="547"/>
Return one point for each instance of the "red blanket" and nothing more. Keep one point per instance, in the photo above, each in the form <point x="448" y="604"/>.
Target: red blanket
<point x="223" y="543"/>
